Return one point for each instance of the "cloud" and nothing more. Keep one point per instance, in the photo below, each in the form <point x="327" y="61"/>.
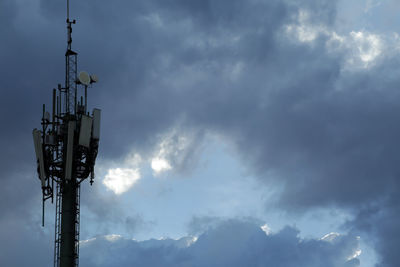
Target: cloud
<point x="231" y="243"/>
<point x="120" y="180"/>
<point x="160" y="165"/>
<point x="327" y="130"/>
<point x="20" y="223"/>
<point x="177" y="150"/>
<point x="377" y="222"/>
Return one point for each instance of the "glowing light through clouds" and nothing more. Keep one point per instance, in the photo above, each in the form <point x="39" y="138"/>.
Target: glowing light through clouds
<point x="120" y="180"/>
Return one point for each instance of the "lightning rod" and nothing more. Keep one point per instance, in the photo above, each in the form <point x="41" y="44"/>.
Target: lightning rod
<point x="66" y="148"/>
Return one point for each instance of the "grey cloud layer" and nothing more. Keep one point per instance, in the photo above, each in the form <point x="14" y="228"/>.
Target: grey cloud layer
<point x="232" y="243"/>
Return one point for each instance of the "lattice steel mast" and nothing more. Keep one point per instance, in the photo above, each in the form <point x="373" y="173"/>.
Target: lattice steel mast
<point x="66" y="149"/>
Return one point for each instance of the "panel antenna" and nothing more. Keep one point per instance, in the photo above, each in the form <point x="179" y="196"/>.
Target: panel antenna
<point x="66" y="149"/>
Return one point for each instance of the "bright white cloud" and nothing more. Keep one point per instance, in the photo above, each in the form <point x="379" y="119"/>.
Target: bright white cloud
<point x="362" y="47"/>
<point x="335" y="237"/>
<point x="266" y="229"/>
<point x="160" y="165"/>
<point x="113" y="237"/>
<point x="121" y="180"/>
<point x="172" y="151"/>
<point x="330" y="237"/>
<point x="355" y="255"/>
<point x="369" y="45"/>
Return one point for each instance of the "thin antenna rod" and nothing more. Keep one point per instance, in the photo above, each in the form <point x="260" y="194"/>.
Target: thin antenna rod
<point x="58" y="178"/>
<point x="43" y="211"/>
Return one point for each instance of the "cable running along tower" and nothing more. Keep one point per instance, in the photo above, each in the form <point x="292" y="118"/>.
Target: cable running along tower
<point x="66" y="149"/>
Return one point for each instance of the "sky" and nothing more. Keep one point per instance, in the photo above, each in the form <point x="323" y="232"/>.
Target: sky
<point x="233" y="133"/>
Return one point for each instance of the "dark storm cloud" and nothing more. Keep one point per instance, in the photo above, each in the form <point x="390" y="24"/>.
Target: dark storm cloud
<point x="143" y="55"/>
<point x="329" y="136"/>
<point x="27" y="55"/>
<point x="20" y="224"/>
<point x="7" y="15"/>
<point x="232" y="243"/>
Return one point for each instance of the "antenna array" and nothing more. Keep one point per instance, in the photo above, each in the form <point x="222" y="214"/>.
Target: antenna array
<point x="66" y="149"/>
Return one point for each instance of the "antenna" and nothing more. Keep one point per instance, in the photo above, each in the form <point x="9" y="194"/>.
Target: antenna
<point x="66" y="149"/>
<point x="84" y="78"/>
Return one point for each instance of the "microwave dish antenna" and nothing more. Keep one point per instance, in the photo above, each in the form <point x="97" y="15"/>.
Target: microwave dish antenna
<point x="66" y="147"/>
<point x="84" y="78"/>
<point x="94" y="78"/>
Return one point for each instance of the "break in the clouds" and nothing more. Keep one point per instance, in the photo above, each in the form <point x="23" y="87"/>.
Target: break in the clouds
<point x="306" y="97"/>
<point x="173" y="151"/>
<point x="176" y="150"/>
<point x="231" y="243"/>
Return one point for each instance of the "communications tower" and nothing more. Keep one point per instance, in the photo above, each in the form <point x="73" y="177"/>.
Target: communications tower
<point x="66" y="149"/>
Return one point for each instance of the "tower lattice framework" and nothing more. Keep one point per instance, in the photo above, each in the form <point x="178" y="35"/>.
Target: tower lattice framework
<point x="66" y="148"/>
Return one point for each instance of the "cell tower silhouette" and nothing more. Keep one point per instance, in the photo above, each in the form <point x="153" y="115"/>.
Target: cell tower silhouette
<point x="66" y="150"/>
